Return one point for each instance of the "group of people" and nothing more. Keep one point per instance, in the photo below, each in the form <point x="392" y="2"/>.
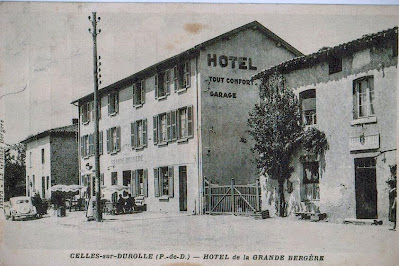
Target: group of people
<point x="125" y="205"/>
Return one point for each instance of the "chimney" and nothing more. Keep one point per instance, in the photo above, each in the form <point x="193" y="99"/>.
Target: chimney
<point x="75" y="121"/>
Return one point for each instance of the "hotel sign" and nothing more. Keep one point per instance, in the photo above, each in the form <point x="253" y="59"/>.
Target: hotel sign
<point x="231" y="61"/>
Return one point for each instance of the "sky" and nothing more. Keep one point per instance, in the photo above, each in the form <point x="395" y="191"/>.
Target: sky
<point x="46" y="49"/>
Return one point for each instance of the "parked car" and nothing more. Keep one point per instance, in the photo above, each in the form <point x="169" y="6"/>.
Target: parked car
<point x="20" y="207"/>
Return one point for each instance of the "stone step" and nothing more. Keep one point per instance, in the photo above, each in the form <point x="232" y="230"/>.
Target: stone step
<point x="363" y="221"/>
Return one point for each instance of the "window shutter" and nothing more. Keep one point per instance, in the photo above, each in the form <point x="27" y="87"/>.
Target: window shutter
<point x="156" y="182"/>
<point x="81" y="114"/>
<point x="175" y="83"/>
<point x="133" y="184"/>
<point x="100" y="143"/>
<point x="108" y="103"/>
<point x="108" y="141"/>
<point x="90" y="144"/>
<point x="155" y="125"/>
<point x="143" y="91"/>
<point x="145" y="132"/>
<point x="156" y="86"/>
<point x="187" y="75"/>
<point x="178" y="124"/>
<point x="118" y="138"/>
<point x="180" y="76"/>
<point x="92" y="110"/>
<point x="173" y="124"/>
<point x="370" y="82"/>
<point x="116" y="102"/>
<point x="99" y="108"/>
<point x="355" y="100"/>
<point x="137" y="181"/>
<point x="81" y="147"/>
<point x="134" y="87"/>
<point x="132" y="135"/>
<point x="145" y="181"/>
<point x="168" y="127"/>
<point x="102" y="179"/>
<point x="190" y="123"/>
<point x="167" y="83"/>
<point x="170" y="177"/>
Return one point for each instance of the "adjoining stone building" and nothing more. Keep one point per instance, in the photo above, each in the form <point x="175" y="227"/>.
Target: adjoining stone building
<point x="51" y="159"/>
<point x="164" y="129"/>
<point x="350" y="93"/>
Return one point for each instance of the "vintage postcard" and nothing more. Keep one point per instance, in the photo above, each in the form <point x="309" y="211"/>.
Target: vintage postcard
<point x="196" y="134"/>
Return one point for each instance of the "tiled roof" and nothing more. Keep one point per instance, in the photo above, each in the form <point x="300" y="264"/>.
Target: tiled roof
<point x="342" y="49"/>
<point x="59" y="130"/>
<point x="254" y="25"/>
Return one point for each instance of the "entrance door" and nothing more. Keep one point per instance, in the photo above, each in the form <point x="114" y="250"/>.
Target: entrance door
<point x="366" y="188"/>
<point x="183" y="188"/>
<point x="43" y="187"/>
<point x="127" y="176"/>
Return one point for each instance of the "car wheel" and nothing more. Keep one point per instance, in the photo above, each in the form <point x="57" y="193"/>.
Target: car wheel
<point x="12" y="218"/>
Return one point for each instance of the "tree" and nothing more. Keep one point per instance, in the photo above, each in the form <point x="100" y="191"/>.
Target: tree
<point x="14" y="171"/>
<point x="276" y="126"/>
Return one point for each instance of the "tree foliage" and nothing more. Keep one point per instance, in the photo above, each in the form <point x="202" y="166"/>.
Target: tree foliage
<point x="14" y="170"/>
<point x="276" y="126"/>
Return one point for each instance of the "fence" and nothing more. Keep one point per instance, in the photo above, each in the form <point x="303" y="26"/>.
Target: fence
<point x="232" y="199"/>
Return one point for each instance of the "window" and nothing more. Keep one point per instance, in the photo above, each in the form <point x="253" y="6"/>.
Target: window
<point x="114" y="178"/>
<point x="140" y="183"/>
<point x="363" y="97"/>
<point x="86" y="110"/>
<point x="139" y="93"/>
<point x="310" y="184"/>
<point x="308" y="107"/>
<point x="139" y="134"/>
<point x="113" y="140"/>
<point x="42" y="156"/>
<point x="334" y="65"/>
<point x="87" y="145"/>
<point x="30" y="159"/>
<point x="173" y="125"/>
<point x="182" y="76"/>
<point x="48" y="182"/>
<point x="162" y="82"/>
<point x="163" y="182"/>
<point x="113" y="103"/>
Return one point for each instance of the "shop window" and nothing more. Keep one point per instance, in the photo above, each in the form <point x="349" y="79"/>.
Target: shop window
<point x="114" y="178"/>
<point x="114" y="140"/>
<point x="140" y="183"/>
<point x="138" y="131"/>
<point x="139" y="93"/>
<point x="363" y="97"/>
<point x="310" y="184"/>
<point x="334" y="65"/>
<point x="162" y="82"/>
<point x="113" y="103"/>
<point x="173" y="125"/>
<point x="163" y="182"/>
<point x="308" y="107"/>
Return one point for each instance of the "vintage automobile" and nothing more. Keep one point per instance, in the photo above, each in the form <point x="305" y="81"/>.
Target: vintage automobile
<point x="20" y="207"/>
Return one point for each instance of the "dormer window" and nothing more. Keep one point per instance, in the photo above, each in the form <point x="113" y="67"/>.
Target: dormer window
<point x="308" y="107"/>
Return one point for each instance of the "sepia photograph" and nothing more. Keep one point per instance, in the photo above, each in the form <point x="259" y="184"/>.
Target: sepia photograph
<point x="198" y="134"/>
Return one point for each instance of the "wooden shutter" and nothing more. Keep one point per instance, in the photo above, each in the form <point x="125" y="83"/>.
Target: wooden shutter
<point x="100" y="143"/>
<point x="134" y="94"/>
<point x="187" y="74"/>
<point x="355" y="100"/>
<point x="81" y="113"/>
<point x="167" y="82"/>
<point x="156" y="182"/>
<point x="178" y="124"/>
<point x="108" y="141"/>
<point x="81" y="147"/>
<point x="145" y="181"/>
<point x="173" y="125"/>
<point x="137" y="181"/>
<point x="117" y="102"/>
<point x="92" y="110"/>
<point x="168" y="127"/>
<point x="108" y="103"/>
<point x="132" y="135"/>
<point x="102" y="179"/>
<point x="170" y="181"/>
<point x="155" y="126"/>
<point x="91" y="144"/>
<point x="145" y="132"/>
<point x="143" y="91"/>
<point x="118" y="138"/>
<point x="156" y="86"/>
<point x="99" y="108"/>
<point x="190" y="124"/>
<point x="133" y="183"/>
<point x="175" y="82"/>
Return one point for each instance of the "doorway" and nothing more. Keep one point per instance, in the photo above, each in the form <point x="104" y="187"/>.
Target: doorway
<point x="366" y="188"/>
<point x="183" y="188"/>
<point x="43" y="187"/>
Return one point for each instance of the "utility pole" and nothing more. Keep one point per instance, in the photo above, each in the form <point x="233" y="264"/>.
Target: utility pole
<point x="96" y="70"/>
